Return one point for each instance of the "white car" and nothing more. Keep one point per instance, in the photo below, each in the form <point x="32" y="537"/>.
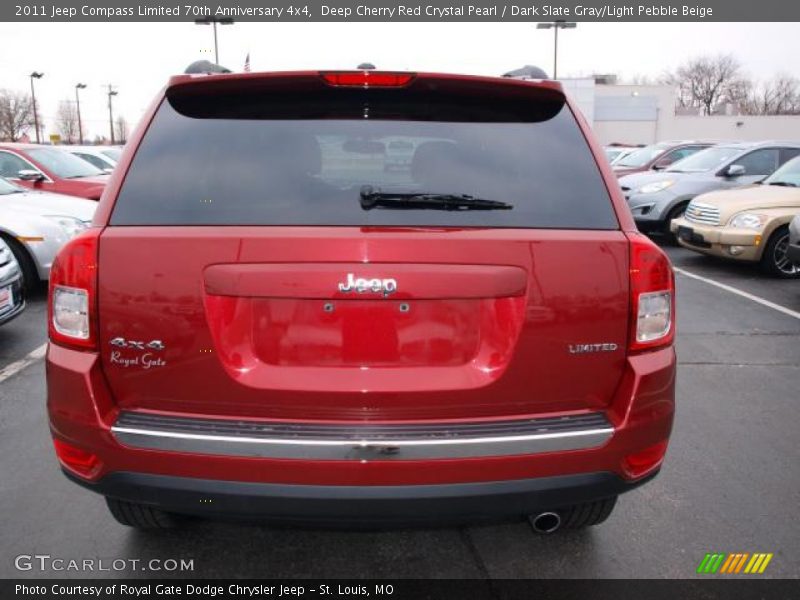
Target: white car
<point x="36" y="224"/>
<point x="104" y="158"/>
<point x="614" y="153"/>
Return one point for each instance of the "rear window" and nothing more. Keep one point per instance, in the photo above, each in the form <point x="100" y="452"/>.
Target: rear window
<point x="282" y="159"/>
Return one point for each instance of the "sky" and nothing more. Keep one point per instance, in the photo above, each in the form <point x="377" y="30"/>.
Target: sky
<point x="138" y="58"/>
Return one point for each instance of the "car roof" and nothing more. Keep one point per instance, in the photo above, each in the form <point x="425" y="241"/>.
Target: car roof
<point x="760" y="144"/>
<point x="673" y="143"/>
<point x="19" y="146"/>
<point x="25" y="147"/>
<point x="83" y="148"/>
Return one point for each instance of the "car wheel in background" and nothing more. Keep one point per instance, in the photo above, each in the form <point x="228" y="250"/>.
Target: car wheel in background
<point x="30" y="275"/>
<point x="676" y="213"/>
<point x="775" y="260"/>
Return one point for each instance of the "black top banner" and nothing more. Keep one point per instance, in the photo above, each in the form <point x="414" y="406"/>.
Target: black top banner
<point x="402" y="11"/>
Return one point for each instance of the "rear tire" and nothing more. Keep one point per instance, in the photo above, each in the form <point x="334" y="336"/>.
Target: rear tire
<point x="30" y="274"/>
<point x="141" y="516"/>
<point x="587" y="514"/>
<point x="775" y="260"/>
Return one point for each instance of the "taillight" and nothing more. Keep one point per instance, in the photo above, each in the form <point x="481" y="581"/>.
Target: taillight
<point x="367" y="78"/>
<point x="652" y="295"/>
<point x="72" y="302"/>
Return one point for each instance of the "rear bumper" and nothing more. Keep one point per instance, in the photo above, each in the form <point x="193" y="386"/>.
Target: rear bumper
<point x="82" y="413"/>
<point x="489" y="500"/>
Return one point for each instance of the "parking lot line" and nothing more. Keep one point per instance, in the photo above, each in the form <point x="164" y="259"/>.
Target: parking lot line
<point x="742" y="293"/>
<point x="19" y="365"/>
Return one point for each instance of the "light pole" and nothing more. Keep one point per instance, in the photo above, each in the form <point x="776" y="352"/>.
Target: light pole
<point x="213" y="21"/>
<point x="555" y="26"/>
<point x="79" y="86"/>
<point x="35" y="75"/>
<point x="111" y="93"/>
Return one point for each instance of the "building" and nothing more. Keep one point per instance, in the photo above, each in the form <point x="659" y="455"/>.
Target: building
<point x="643" y="114"/>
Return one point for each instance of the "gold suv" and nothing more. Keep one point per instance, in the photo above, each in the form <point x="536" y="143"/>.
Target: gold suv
<point x="748" y="224"/>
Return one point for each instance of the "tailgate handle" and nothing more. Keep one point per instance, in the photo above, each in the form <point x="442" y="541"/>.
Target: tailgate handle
<point x="413" y="281"/>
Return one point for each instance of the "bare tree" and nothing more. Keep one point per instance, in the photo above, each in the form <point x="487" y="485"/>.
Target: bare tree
<point x="67" y="121"/>
<point x="707" y="81"/>
<point x="16" y="114"/>
<point x="778" y="96"/>
<point x="640" y="79"/>
<point x="121" y="129"/>
<point x="740" y="93"/>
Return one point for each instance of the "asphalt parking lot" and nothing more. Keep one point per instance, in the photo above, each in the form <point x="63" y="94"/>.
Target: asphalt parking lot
<point x="729" y="484"/>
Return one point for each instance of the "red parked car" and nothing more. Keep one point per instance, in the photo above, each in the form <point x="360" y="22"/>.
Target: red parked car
<point x="265" y="321"/>
<point x="48" y="169"/>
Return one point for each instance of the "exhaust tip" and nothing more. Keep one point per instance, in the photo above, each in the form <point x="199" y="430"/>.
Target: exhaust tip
<point x="546" y="522"/>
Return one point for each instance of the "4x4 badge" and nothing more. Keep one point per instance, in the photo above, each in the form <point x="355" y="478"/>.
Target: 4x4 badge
<point x="120" y="342"/>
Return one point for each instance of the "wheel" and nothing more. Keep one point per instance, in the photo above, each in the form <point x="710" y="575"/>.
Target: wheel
<point x="587" y="514"/>
<point x="775" y="260"/>
<point x="676" y="212"/>
<point x="30" y="275"/>
<point x="141" y="516"/>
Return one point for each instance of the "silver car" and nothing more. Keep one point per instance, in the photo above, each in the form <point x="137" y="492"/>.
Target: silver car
<point x="12" y="293"/>
<point x="36" y="224"/>
<point x="657" y="198"/>
<point x="104" y="158"/>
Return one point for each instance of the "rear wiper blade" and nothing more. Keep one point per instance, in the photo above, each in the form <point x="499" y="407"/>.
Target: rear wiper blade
<point x="373" y="197"/>
<point x="784" y="183"/>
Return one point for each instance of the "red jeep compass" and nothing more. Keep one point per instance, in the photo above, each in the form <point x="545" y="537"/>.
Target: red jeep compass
<point x="266" y="322"/>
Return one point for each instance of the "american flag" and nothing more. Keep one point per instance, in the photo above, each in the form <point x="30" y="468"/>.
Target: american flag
<point x="247" y="63"/>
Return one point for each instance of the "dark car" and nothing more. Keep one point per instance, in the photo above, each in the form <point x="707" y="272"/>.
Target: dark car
<point x="266" y="322"/>
<point x="657" y="157"/>
<point x="793" y="251"/>
<point x="49" y="169"/>
<point x="12" y="294"/>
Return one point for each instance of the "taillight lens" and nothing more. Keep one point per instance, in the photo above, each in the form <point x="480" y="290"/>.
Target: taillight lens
<point x="367" y="78"/>
<point x="73" y="293"/>
<point x="71" y="312"/>
<point x="652" y="295"/>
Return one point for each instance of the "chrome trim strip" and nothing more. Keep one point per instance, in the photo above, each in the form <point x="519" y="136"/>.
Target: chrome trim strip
<point x="362" y="449"/>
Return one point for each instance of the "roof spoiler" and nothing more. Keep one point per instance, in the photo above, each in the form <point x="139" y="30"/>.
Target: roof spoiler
<point x="205" y="66"/>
